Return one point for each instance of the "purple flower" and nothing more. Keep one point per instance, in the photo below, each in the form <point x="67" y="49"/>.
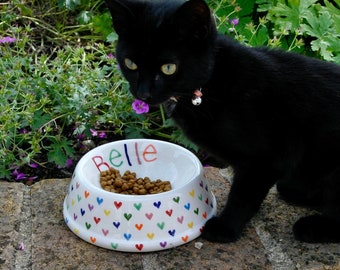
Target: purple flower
<point x="140" y="106"/>
<point x="102" y="135"/>
<point x="32" y="178"/>
<point x="234" y="21"/>
<point x="33" y="165"/>
<point x="81" y="136"/>
<point x="18" y="175"/>
<point x="21" y="246"/>
<point x="110" y="56"/>
<point x="23" y="131"/>
<point x="7" y="40"/>
<point x="94" y="132"/>
<point x="69" y="163"/>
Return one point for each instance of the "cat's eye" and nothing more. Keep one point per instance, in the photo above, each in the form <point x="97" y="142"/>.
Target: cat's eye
<point x="169" y="69"/>
<point x="129" y="64"/>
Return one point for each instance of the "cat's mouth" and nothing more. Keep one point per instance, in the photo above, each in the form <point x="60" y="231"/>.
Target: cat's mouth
<point x="174" y="99"/>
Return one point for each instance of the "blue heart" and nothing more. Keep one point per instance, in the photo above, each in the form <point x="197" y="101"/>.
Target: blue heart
<point x="157" y="204"/>
<point x="172" y="232"/>
<point x="100" y="200"/>
<point x="127" y="236"/>
<point x="116" y="224"/>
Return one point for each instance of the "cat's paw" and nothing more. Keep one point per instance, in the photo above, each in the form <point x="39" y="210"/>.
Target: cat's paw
<point x="218" y="230"/>
<point x="317" y="229"/>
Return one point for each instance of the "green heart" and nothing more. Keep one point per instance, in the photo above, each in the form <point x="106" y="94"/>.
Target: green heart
<point x="176" y="199"/>
<point x="127" y="216"/>
<point x="138" y="206"/>
<point x="161" y="225"/>
<point x="114" y="245"/>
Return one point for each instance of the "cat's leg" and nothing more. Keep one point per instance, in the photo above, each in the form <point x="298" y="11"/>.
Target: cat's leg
<point x="323" y="228"/>
<point x="250" y="186"/>
<point x="292" y="193"/>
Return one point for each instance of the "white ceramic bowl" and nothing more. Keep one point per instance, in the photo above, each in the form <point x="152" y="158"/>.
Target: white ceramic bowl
<point x="139" y="223"/>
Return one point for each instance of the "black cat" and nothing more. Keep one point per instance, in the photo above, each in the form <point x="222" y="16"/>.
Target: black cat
<point x="274" y="116"/>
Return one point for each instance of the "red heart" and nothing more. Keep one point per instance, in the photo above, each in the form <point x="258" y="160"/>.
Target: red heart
<point x="169" y="212"/>
<point x="139" y="246"/>
<point x="118" y="204"/>
<point x="97" y="220"/>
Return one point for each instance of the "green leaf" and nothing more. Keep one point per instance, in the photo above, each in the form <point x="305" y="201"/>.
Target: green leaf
<point x="60" y="151"/>
<point x="112" y="38"/>
<point x="322" y="47"/>
<point x="85" y="17"/>
<point x="40" y="119"/>
<point x="318" y="26"/>
<point x="264" y="5"/>
<point x="290" y="16"/>
<point x="102" y="24"/>
<point x="69" y="4"/>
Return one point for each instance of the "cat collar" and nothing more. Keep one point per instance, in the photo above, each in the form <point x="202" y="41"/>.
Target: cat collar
<point x="196" y="99"/>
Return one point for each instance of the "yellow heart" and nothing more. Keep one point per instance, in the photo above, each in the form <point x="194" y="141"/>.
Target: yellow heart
<point x="190" y="225"/>
<point x="192" y="193"/>
<point x="107" y="212"/>
<point x="76" y="231"/>
<point x="150" y="235"/>
<point x="73" y="202"/>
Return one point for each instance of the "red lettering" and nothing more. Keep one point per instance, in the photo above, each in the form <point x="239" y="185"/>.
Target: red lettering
<point x="150" y="150"/>
<point x="100" y="163"/>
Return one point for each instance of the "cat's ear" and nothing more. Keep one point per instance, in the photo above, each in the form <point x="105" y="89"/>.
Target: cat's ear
<point x="194" y="19"/>
<point x="122" y="15"/>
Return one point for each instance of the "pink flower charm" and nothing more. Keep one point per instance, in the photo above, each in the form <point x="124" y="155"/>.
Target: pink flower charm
<point x="140" y="106"/>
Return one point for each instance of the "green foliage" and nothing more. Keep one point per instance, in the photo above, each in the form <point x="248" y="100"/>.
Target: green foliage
<point x="303" y="26"/>
<point x="48" y="100"/>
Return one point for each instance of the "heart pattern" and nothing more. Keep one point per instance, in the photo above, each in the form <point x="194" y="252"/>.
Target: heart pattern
<point x="162" y="223"/>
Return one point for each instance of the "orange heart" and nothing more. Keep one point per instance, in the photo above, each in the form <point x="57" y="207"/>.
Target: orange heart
<point x="93" y="239"/>
<point x="139" y="226"/>
<point x="185" y="238"/>
<point x="87" y="194"/>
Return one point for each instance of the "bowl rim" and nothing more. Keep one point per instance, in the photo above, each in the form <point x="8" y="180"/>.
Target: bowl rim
<point x="89" y="184"/>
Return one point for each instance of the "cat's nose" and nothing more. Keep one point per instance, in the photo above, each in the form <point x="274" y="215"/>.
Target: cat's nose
<point x="143" y="92"/>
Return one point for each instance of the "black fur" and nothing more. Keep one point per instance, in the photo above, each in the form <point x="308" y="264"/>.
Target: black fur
<point x="274" y="116"/>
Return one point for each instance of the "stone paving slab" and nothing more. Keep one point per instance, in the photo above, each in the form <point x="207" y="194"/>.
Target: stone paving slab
<point x="33" y="216"/>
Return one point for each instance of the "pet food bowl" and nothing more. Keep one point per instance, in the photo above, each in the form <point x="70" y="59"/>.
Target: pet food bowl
<point x="139" y="223"/>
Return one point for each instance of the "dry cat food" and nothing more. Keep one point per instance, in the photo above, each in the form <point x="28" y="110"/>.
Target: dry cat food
<point x="111" y="180"/>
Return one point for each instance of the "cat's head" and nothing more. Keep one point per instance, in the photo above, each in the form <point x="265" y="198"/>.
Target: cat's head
<point x="165" y="47"/>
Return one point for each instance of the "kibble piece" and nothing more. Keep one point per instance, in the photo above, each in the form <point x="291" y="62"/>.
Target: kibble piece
<point x="111" y="180"/>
